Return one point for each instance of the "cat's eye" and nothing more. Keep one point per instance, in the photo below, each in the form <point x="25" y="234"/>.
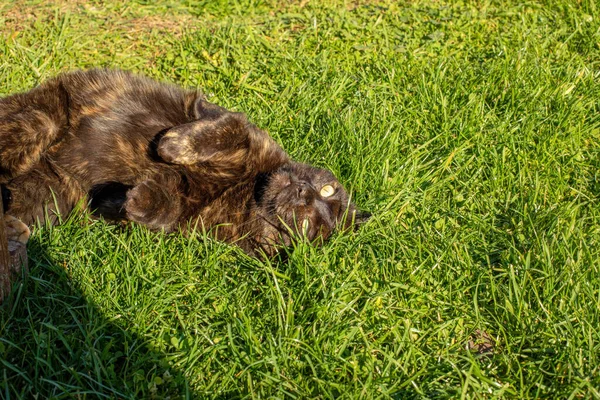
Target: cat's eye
<point x="327" y="191"/>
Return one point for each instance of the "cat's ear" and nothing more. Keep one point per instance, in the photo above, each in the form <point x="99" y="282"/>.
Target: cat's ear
<point x="203" y="110"/>
<point x="200" y="141"/>
<point x="355" y="218"/>
<point x="361" y="217"/>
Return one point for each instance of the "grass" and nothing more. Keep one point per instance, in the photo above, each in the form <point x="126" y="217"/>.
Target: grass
<point x="470" y="129"/>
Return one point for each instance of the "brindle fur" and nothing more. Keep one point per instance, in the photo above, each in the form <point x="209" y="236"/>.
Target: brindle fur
<point x="158" y="155"/>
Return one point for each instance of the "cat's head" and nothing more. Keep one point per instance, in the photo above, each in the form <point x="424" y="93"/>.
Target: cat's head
<point x="298" y="201"/>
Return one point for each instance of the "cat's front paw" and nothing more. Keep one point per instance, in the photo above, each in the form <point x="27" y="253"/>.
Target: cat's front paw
<point x="151" y="204"/>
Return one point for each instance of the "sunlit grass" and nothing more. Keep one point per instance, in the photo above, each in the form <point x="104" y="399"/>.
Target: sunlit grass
<point x="470" y="131"/>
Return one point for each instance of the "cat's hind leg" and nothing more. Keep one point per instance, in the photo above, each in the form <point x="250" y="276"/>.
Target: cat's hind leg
<point x="13" y="260"/>
<point x="17" y="232"/>
<point x="18" y="235"/>
<point x="29" y="123"/>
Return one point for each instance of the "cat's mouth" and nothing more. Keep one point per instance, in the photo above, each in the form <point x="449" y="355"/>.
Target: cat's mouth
<point x="296" y="225"/>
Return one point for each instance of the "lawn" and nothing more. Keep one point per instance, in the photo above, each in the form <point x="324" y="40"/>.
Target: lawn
<point x="470" y="129"/>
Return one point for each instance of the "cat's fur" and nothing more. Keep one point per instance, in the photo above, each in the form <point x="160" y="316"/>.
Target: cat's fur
<point x="158" y="155"/>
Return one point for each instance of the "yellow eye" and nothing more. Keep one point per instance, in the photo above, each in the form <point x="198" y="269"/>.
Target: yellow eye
<point x="327" y="191"/>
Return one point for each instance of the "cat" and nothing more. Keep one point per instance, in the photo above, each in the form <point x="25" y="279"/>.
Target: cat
<point x="153" y="153"/>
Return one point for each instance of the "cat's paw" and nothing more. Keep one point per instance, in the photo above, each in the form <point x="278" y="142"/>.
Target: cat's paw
<point x="17" y="234"/>
<point x="150" y="204"/>
<point x="16" y="231"/>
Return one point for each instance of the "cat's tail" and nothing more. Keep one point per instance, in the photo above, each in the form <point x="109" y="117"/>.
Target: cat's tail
<point x="29" y="123"/>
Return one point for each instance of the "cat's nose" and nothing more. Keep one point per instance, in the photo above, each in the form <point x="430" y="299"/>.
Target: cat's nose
<point x="304" y="190"/>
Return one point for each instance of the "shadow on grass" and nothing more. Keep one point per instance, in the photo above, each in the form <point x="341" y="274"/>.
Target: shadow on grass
<point x="54" y="343"/>
<point x="69" y="329"/>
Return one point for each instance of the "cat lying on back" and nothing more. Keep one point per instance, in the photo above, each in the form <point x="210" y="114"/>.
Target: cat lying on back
<point x="161" y="156"/>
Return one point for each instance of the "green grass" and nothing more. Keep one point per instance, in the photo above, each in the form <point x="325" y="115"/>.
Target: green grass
<point x="470" y="129"/>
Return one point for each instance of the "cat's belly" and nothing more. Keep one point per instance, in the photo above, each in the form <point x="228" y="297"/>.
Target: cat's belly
<point x="97" y="158"/>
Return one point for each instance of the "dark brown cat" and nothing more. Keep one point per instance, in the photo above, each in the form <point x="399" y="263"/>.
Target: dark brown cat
<point x="161" y="156"/>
